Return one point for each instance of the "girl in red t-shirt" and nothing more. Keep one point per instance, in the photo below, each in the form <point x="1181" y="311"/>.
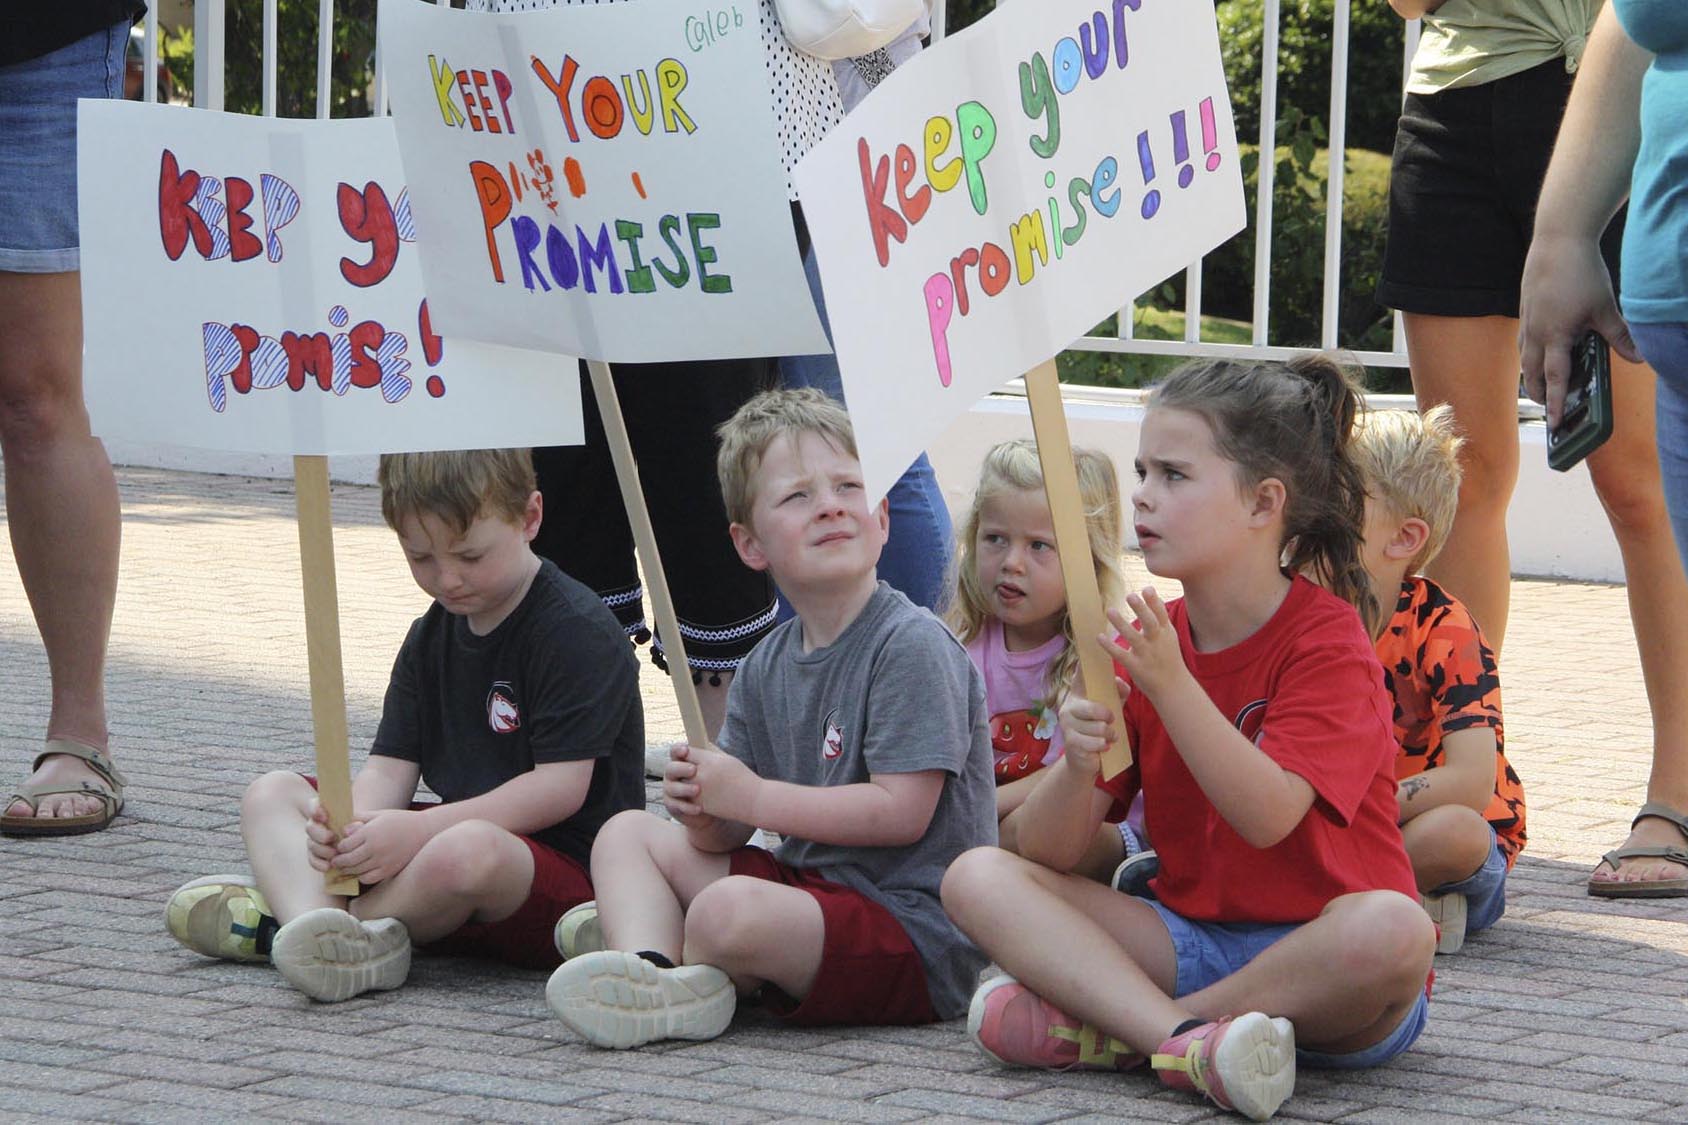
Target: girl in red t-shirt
<point x="1286" y="905"/>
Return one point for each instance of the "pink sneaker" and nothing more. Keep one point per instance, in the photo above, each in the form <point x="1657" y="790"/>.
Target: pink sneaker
<point x="1246" y="1064"/>
<point x="1016" y="1027"/>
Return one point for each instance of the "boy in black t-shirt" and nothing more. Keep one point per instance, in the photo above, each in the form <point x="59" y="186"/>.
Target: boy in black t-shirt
<point x="515" y="697"/>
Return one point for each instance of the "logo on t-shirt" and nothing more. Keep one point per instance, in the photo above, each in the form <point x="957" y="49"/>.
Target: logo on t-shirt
<point x="501" y="712"/>
<point x="833" y="745"/>
<point x="1251" y="720"/>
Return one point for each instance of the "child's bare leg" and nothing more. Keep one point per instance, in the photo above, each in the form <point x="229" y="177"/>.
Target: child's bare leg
<point x="474" y="871"/>
<point x="1101" y="956"/>
<point x="1346" y="979"/>
<point x="273" y="815"/>
<point x="1105" y="853"/>
<point x="646" y="871"/>
<point x="756" y="931"/>
<point x="1446" y="844"/>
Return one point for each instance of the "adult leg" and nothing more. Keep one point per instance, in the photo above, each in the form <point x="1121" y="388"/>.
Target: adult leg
<point x="1471" y="363"/>
<point x="273" y="815"/>
<point x="62" y="513"/>
<point x="1626" y="476"/>
<point x="474" y="871"/>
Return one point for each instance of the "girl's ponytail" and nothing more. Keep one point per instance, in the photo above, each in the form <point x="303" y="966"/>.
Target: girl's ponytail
<point x="1332" y="531"/>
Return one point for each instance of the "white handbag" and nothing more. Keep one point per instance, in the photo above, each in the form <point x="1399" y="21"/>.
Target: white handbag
<point x="843" y="29"/>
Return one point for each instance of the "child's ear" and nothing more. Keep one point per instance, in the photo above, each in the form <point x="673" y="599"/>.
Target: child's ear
<point x="1269" y="497"/>
<point x="883" y="512"/>
<point x="1409" y="539"/>
<point x="533" y="515"/>
<point x="749" y="549"/>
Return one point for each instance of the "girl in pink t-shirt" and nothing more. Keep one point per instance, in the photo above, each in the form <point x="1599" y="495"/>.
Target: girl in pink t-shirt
<point x="1010" y="610"/>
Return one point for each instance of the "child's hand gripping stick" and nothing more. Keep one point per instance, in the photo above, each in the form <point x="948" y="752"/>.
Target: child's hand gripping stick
<point x="1072" y="540"/>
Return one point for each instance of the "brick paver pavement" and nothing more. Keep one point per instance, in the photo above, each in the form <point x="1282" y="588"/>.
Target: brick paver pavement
<point x="1570" y="1009"/>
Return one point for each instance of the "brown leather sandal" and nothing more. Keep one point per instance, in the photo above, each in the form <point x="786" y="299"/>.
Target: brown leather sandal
<point x="1647" y="888"/>
<point x="110" y="795"/>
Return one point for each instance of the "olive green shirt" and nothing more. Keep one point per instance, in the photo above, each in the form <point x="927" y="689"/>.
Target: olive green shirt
<point x="1471" y="42"/>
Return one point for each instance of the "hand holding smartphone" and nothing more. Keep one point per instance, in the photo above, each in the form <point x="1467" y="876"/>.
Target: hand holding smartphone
<point x="1586" y="418"/>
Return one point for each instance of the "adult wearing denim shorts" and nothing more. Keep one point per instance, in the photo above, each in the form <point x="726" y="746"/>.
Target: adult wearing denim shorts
<point x="1488" y="84"/>
<point x="1624" y="131"/>
<point x="61" y="496"/>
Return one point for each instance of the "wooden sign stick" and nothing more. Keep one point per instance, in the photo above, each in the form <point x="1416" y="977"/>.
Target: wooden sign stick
<point x="322" y="646"/>
<point x="644" y="540"/>
<point x="1072" y="541"/>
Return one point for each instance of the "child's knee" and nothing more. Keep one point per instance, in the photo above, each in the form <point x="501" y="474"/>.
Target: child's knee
<point x="728" y="919"/>
<point x="631" y="827"/>
<point x="1462" y="836"/>
<point x="465" y="859"/>
<point x="970" y="876"/>
<point x="277" y="789"/>
<point x="1388" y="943"/>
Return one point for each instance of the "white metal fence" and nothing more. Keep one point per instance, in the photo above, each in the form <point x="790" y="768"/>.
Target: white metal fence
<point x="209" y="20"/>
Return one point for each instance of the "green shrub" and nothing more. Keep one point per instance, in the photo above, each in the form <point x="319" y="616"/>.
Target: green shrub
<point x="352" y="57"/>
<point x="1298" y="246"/>
<point x="1376" y="38"/>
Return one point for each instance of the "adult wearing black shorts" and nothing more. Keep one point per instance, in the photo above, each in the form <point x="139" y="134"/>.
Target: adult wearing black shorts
<point x="1488" y="87"/>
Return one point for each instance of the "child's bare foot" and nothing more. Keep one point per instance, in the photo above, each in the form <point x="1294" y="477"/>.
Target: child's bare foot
<point x="1653" y="862"/>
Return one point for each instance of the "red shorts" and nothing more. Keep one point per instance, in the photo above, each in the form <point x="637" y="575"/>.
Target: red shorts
<point x="870" y="971"/>
<point x="525" y="937"/>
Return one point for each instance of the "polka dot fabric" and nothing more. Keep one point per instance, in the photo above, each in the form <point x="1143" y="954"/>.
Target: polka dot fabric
<point x="805" y="93"/>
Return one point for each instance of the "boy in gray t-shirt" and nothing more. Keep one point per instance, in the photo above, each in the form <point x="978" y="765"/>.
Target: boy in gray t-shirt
<point x="857" y="731"/>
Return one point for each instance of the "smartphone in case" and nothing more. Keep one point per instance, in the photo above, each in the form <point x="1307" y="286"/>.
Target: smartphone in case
<point x="1587" y="417"/>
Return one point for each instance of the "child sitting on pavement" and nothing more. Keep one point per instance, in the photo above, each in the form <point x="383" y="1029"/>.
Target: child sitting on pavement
<point x="1287" y="924"/>
<point x="515" y="698"/>
<point x="856" y="731"/>
<point x="1462" y="806"/>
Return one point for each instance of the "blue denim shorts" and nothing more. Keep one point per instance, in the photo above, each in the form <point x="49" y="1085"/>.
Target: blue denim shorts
<point x="38" y="158"/>
<point x="1485" y="892"/>
<point x="1208" y="952"/>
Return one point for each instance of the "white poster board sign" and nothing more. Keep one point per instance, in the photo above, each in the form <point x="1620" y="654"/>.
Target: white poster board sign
<point x="251" y="284"/>
<point x="1003" y="193"/>
<point x="600" y="179"/>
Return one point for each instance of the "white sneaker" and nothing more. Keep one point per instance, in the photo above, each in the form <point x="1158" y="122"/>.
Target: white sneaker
<point x="329" y="955"/>
<point x="620" y="1000"/>
<point x="1448" y="912"/>
<point x="578" y="932"/>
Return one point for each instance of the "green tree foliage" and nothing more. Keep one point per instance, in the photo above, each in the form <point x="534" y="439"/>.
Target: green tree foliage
<point x="352" y="54"/>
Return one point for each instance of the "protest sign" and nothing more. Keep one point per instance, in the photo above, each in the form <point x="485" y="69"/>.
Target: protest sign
<point x="252" y="284"/>
<point x="602" y="180"/>
<point x="1003" y="193"/>
<point x="997" y="198"/>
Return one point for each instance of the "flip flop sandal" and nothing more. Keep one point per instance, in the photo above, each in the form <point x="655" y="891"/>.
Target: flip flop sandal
<point x="1646" y="888"/>
<point x="110" y="795"/>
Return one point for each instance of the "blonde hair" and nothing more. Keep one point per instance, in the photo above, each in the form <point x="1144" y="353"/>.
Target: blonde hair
<point x="1411" y="465"/>
<point x="1013" y="466"/>
<point x="746" y="436"/>
<point x="456" y="486"/>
